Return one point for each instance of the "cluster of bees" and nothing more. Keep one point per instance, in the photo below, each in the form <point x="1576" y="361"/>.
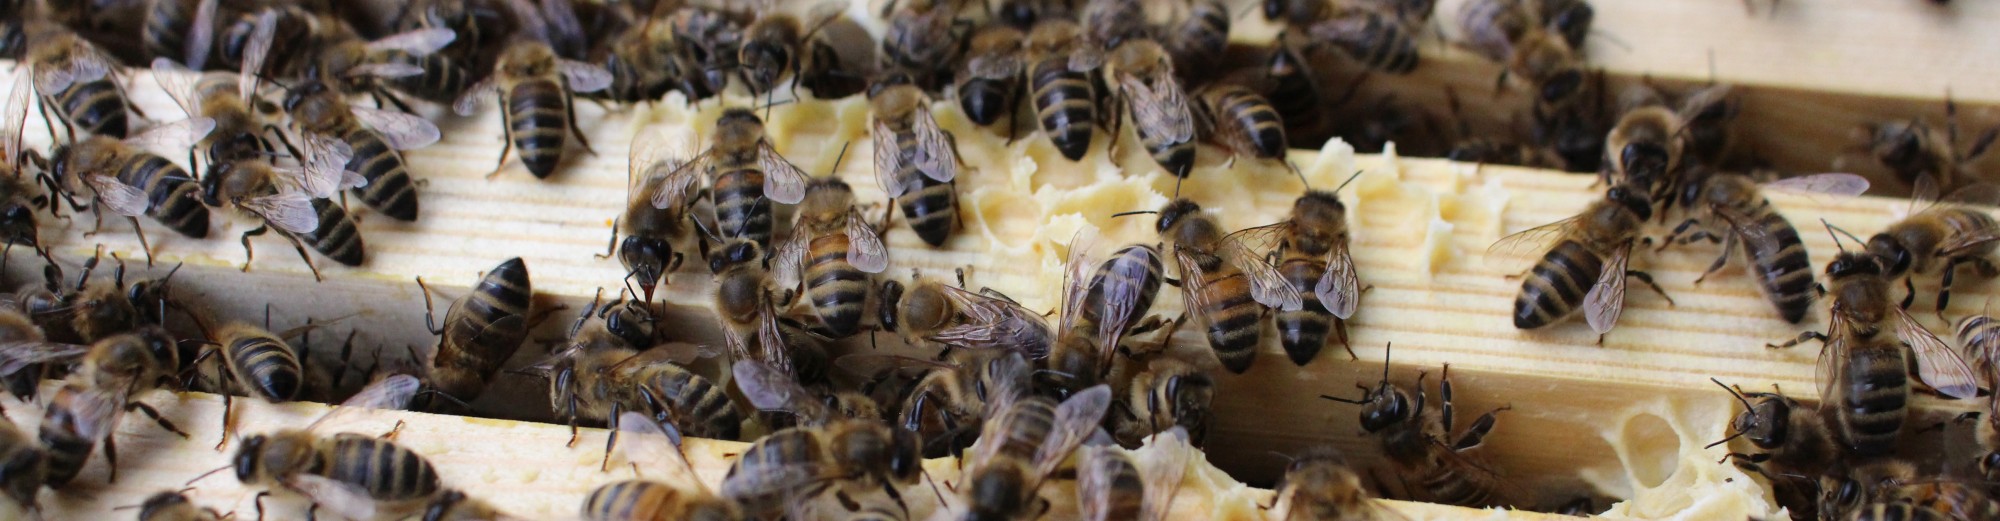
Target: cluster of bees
<point x="266" y="87"/>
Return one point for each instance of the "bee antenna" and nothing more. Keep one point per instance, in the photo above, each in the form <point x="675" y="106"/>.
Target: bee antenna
<point x="838" y="158"/>
<point x="1177" y="186"/>
<point x="445" y="395"/>
<point x="1300" y="173"/>
<point x="205" y="475"/>
<point x="1857" y="240"/>
<point x="1829" y="232"/>
<point x="1134" y="212"/>
<point x="1739" y="434"/>
<point x="1733" y="392"/>
<point x="1358" y="401"/>
<point x="170" y="273"/>
<point x="1386" y="349"/>
<point x="1350" y="180"/>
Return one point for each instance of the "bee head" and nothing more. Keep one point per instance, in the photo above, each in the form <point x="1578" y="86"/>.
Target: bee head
<point x="735" y="254"/>
<point x="1633" y="199"/>
<point x="645" y="260"/>
<point x="443" y="505"/>
<point x="1562" y="86"/>
<point x="1890" y="253"/>
<point x="1849" y="264"/>
<point x="249" y="458"/>
<point x="1173" y="213"/>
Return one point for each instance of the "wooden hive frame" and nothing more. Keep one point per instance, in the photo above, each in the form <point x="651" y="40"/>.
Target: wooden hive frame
<point x="1627" y="418"/>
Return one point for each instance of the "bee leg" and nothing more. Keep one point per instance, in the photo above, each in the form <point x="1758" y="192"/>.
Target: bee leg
<point x="1648" y="279"/>
<point x="1476" y="434"/>
<point x="260" y="504"/>
<point x="111" y="456"/>
<point x="380" y="93"/>
<point x="611" y="440"/>
<point x="1802" y="338"/>
<point x="393" y="432"/>
<point x="228" y="398"/>
<point x="896" y="496"/>
<point x="301" y="247"/>
<point x="155" y="415"/>
<point x="250" y="254"/>
<point x="1728" y="248"/>
<point x="570" y="108"/>
<point x="143" y="244"/>
<point x="1340" y="331"/>
<point x="612" y="245"/>
<point x="506" y="147"/>
<point x="1944" y="284"/>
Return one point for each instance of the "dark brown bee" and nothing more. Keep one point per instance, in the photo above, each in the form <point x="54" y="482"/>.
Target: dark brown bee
<point x="1914" y="149"/>
<point x="374" y="138"/>
<point x="1569" y="18"/>
<point x="536" y="88"/>
<point x="250" y="30"/>
<point x="1376" y="39"/>
<point x="643" y="500"/>
<point x="455" y="505"/>
<point x="947" y="403"/>
<point x="89" y="405"/>
<point x="1143" y="78"/>
<point x="923" y="39"/>
<point x="1199" y="40"/>
<point x="1313" y="258"/>
<point x="650" y="233"/>
<point x="1792" y="437"/>
<point x="1226" y="284"/>
<point x="601" y="373"/>
<point x="346" y="472"/>
<point x="644" y="62"/>
<point x="1319" y="485"/>
<point x="23" y="466"/>
<point x="771" y="390"/>
<point x="1422" y="445"/>
<point x="1863" y="372"/>
<point x="1707" y="118"/>
<point x="1025" y="438"/>
<point x="1120" y="293"/>
<point x="829" y="256"/>
<point x="230" y="101"/>
<point x="1111" y="485"/>
<point x="989" y="85"/>
<point x="1937" y="233"/>
<point x="1243" y="121"/>
<point x="76" y="78"/>
<point x="1513" y="33"/>
<point x="1110" y="23"/>
<point x="915" y="161"/>
<point x="1292" y="86"/>
<point x="1735" y="212"/>
<point x="263" y="191"/>
<point x="129" y="180"/>
<point x="174" y="505"/>
<point x="17" y="197"/>
<point x="410" y="62"/>
<point x="1585" y="268"/>
<point x="1063" y="86"/>
<point x="481" y="330"/>
<point x="799" y="462"/>
<point x="1644" y="150"/>
<point x="1102" y="304"/>
<point x="745" y="176"/>
<point x="1170" y="392"/>
<point x="170" y="28"/>
<point x="709" y="41"/>
<point x="776" y="47"/>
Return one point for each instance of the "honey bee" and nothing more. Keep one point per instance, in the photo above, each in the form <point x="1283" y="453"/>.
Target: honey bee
<point x="916" y="161"/>
<point x="989" y="85"/>
<point x="1594" y="245"/>
<point x="1062" y="82"/>
<point x="930" y="311"/>
<point x="174" y="505"/>
<point x="481" y="330"/>
<point x="1024" y="440"/>
<point x="1243" y="121"/>
<point x="1314" y="260"/>
<point x="1143" y="74"/>
<point x="830" y="254"/>
<point x="771" y="390"/>
<point x="1170" y="393"/>
<point x="1224" y="281"/>
<point x="1792" y="437"/>
<point x="947" y="403"/>
<point x="801" y="462"/>
<point x="644" y="62"/>
<point x="23" y="466"/>
<point x="1380" y="40"/>
<point x="1319" y="484"/>
<point x="1644" y="150"/>
<point x="17" y="199"/>
<point x="1416" y="441"/>
<point x="240" y="118"/>
<point x="743" y="172"/>
<point x="1513" y="33"/>
<point x="129" y="180"/>
<point x="1707" y="116"/>
<point x="647" y="249"/>
<point x="1101" y="306"/>
<point x="78" y="80"/>
<point x="1107" y="477"/>
<point x="374" y="140"/>
<point x="1954" y="232"/>
<point x="776" y="46"/>
<point x="600" y="373"/>
<point x="1913" y="149"/>
<point x="347" y="472"/>
<point x="256" y="362"/>
<point x="1111" y="22"/>
<point x="252" y="30"/>
<point x="710" y="41"/>
<point x="923" y="39"/>
<point x="90" y="403"/>
<point x="1862" y="372"/>
<point x="640" y="500"/>
<point x="746" y="308"/>
<point x="264" y="191"/>
<point x="170" y="26"/>
<point x="536" y="87"/>
<point x="1772" y="249"/>
<point x="1201" y="37"/>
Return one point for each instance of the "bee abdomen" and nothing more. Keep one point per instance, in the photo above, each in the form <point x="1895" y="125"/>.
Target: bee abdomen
<point x="782" y="449"/>
<point x="1233" y="328"/>
<point x="1258" y="119"/>
<point x="712" y="415"/>
<point x="1384" y="44"/>
<point x="389" y="188"/>
<point x="64" y="449"/>
<point x="986" y="99"/>
<point x="1134" y="270"/>
<point x="1303" y="332"/>
<point x="1979" y="334"/>
<point x="97" y="107"/>
<point x="1558" y="283"/>
<point x="1875" y="400"/>
<point x="631" y="500"/>
<point x="1783" y="268"/>
<point x="267" y="367"/>
<point x="1447" y="485"/>
<point x="337" y="237"/>
<point x="164" y="33"/>
<point x="170" y="194"/>
<point x="441" y="81"/>
<point x="837" y="289"/>
<point x="1066" y="107"/>
<point x="740" y="208"/>
<point x="1176" y="157"/>
<point x="932" y="210"/>
<point x="538" y="118"/>
<point x="387" y="471"/>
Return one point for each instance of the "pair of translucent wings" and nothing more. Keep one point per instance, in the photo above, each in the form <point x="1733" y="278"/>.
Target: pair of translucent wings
<point x="578" y="76"/>
<point x="129" y="200"/>
<point x="933" y="154"/>
<point x="1241" y="249"/>
<point x="1937" y="364"/>
<point x="1160" y="475"/>
<point x="1160" y="108"/>
<point x="769" y="338"/>
<point x="865" y="250"/>
<point x="1076" y="419"/>
<point x="784" y="183"/>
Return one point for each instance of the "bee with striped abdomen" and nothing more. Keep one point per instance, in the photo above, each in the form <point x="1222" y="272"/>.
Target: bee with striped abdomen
<point x="745" y="176"/>
<point x="650" y="232"/>
<point x="915" y="161"/>
<point x="602" y="372"/>
<point x="266" y="192"/>
<point x="1731" y="210"/>
<point x="1063" y="85"/>
<point x="1319" y="485"/>
<point x="1243" y="121"/>
<point x="346" y="472"/>
<point x="1941" y="235"/>
<point x="1380" y="40"/>
<point x="1107" y="476"/>
<point x="78" y="80"/>
<point x="536" y="89"/>
<point x="1199" y="40"/>
<point x="1292" y="86"/>
<point x="18" y="201"/>
<point x="1913" y="149"/>
<point x="796" y="464"/>
<point x="255" y="362"/>
<point x="1026" y="437"/>
<point x="924" y="39"/>
<point x="88" y="407"/>
<point x="1595" y="245"/>
<point x="374" y="138"/>
<point x="1313" y="257"/>
<point x="129" y="179"/>
<point x="1169" y="392"/>
<point x="770" y="390"/>
<point x="1421" y="443"/>
<point x="23" y="466"/>
<point x="1515" y="34"/>
<point x="989" y="85"/>
<point x="1226" y="284"/>
<point x="650" y="443"/>
<point x="829" y="256"/>
<point x="241" y="119"/>
<point x="481" y="330"/>
<point x="1143" y="81"/>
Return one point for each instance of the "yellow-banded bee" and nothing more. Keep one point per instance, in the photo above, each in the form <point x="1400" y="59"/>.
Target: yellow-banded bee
<point x="257" y="363"/>
<point x="346" y="472"/>
<point x="989" y="85"/>
<point x="798" y="463"/>
<point x="1913" y="149"/>
<point x="264" y="191"/>
<point x="538" y="114"/>
<point x="600" y="373"/>
<point x="649" y="232"/>
<point x="1595" y="245"/>
<point x="129" y="180"/>
<point x="923" y="39"/>
<point x="745" y="175"/>
<point x="1026" y="437"/>
<point x="1863" y="373"/>
<point x="1243" y="121"/>
<point x="915" y="161"/>
<point x="1319" y="485"/>
<point x="373" y="138"/>
<point x="76" y="78"/>
<point x="1313" y="257"/>
<point x="1936" y="232"/>
<point x="1423" y="445"/>
<point x="651" y="443"/>
<point x="1063" y="85"/>
<point x="777" y="46"/>
<point x="1224" y="281"/>
<point x="87" y="408"/>
<point x="1730" y="209"/>
<point x="1142" y="74"/>
<point x="1380" y="40"/>
<point x="829" y="256"/>
<point x="481" y="330"/>
<point x="1107" y="476"/>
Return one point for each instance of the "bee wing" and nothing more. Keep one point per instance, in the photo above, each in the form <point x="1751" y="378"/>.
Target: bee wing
<point x="871" y="366"/>
<point x="994" y="66"/>
<point x="121" y="198"/>
<point x="383" y="70"/>
<point x="993" y="323"/>
<point x="1008" y="377"/>
<point x="865" y="249"/>
<point x="174" y="137"/>
<point x="179" y="83"/>
<point x="936" y="156"/>
<point x="95" y="412"/>
<point x="1076" y="418"/>
<point x="888" y="161"/>
<point x="261" y="36"/>
<point x="347" y="500"/>
<point x="739" y="347"/>
<point x="1085" y="60"/>
<point x="200" y="35"/>
<point x="390" y="393"/>
<point x="1531" y="243"/>
<point x="1094" y="481"/>
<point x="85" y="65"/>
<point x="1076" y="281"/>
<point x="468" y="103"/>
<point x="289" y="211"/>
<point x="771" y="338"/>
<point x="1244" y="248"/>
<point x="401" y="131"/>
<point x="323" y="170"/>
<point x="17" y="355"/>
<point x="1606" y="299"/>
<point x="1828" y="183"/>
<point x="769" y="389"/>
<point x="1937" y="364"/>
<point x="1164" y="471"/>
<point x="418" y="42"/>
<point x="679" y="182"/>
<point x="13" y="117"/>
<point x="584" y="77"/>
<point x="645" y="441"/>
<point x="1831" y="367"/>
<point x="1339" y="289"/>
<point x="783" y="182"/>
<point x="1161" y="108"/>
<point x="789" y="258"/>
